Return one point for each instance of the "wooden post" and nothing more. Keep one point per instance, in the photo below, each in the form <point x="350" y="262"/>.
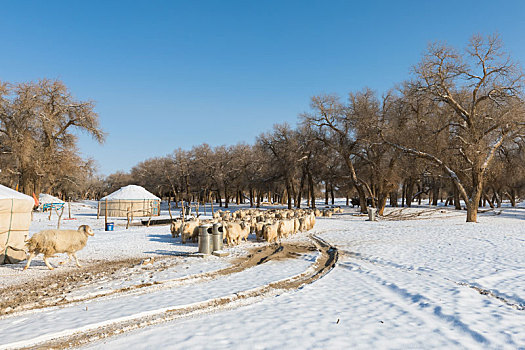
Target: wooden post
<point x="169" y="209"/>
<point x="182" y="206"/>
<point x="59" y="216"/>
<point x="98" y="210"/>
<point x="106" y="214"/>
<point x="127" y="218"/>
<point x="69" y="206"/>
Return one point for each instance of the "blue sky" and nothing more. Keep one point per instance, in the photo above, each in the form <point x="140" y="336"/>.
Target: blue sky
<point x="169" y="74"/>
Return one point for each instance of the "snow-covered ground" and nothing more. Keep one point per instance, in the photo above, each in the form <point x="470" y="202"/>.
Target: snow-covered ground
<point x="419" y="281"/>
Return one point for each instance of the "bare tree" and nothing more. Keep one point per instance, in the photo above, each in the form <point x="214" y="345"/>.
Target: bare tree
<point x="336" y="131"/>
<point x="480" y="92"/>
<point x="37" y="121"/>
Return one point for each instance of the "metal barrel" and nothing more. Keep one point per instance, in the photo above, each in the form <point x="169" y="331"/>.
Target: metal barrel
<point x="217" y="237"/>
<point x="204" y="239"/>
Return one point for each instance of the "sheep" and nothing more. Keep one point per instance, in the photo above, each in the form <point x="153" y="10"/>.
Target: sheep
<point x="190" y="229"/>
<point x="235" y="231"/>
<point x="311" y="221"/>
<point x="270" y="232"/>
<point x="245" y="231"/>
<point x="225" y="215"/>
<point x="175" y="228"/>
<point x="285" y="228"/>
<point x="303" y="223"/>
<point x="228" y="234"/>
<point x="51" y="242"/>
<point x="259" y="230"/>
<point x="328" y="213"/>
<point x="296" y="225"/>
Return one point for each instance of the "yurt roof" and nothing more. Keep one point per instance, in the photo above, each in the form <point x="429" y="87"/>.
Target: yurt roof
<point x="44" y="198"/>
<point x="131" y="192"/>
<point x="7" y="193"/>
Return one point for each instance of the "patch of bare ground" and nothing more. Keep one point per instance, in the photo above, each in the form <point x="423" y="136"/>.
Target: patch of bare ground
<point x="418" y="214"/>
<point x="324" y="263"/>
<point x="51" y="290"/>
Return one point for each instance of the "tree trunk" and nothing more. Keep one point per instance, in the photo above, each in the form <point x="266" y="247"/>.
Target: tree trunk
<point x="477" y="191"/>
<point x="487" y="199"/>
<point x="311" y="190"/>
<point x="457" y="200"/>
<point x="435" y="192"/>
<point x="362" y="199"/>
<point x="513" y="197"/>
<point x="292" y="192"/>
<point x="226" y="199"/>
<point x="381" y="204"/>
<point x="289" y="194"/>
<point x="403" y="193"/>
<point x="326" y="193"/>
<point x="409" y="192"/>
<point x="300" y="191"/>
<point x="25" y="180"/>
<point x="332" y="193"/>
<point x="393" y="198"/>
<point x="187" y="183"/>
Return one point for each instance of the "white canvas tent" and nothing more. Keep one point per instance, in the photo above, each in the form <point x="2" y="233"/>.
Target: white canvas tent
<point x="133" y="199"/>
<point x="15" y="218"/>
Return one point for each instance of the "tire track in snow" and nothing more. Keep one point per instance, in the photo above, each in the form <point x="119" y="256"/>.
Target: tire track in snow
<point x="324" y="263"/>
<point x="260" y="256"/>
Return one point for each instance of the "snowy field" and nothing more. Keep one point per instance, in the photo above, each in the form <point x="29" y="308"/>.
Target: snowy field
<point x="419" y="278"/>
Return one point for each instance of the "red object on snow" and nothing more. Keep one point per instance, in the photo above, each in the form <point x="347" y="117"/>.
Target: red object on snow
<point x="36" y="200"/>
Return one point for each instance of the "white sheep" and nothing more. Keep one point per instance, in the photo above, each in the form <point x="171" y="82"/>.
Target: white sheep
<point x="190" y="229"/>
<point x="175" y="228"/>
<point x="285" y="228"/>
<point x="51" y="242"/>
<point x="235" y="232"/>
<point x="270" y="232"/>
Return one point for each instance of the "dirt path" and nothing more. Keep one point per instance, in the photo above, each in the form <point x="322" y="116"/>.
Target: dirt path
<point x="55" y="290"/>
<point x="324" y="263"/>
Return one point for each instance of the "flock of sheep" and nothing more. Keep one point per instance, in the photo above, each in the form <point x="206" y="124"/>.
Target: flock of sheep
<point x="269" y="225"/>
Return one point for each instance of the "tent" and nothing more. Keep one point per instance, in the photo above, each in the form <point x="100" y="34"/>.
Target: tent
<point x="134" y="199"/>
<point x="15" y="218"/>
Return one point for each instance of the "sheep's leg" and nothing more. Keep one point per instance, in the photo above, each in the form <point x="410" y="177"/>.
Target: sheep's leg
<point x="76" y="260"/>
<point x="68" y="259"/>
<point x="31" y="256"/>
<point x="47" y="263"/>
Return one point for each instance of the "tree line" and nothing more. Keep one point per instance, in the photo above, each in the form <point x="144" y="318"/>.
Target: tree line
<point x="38" y="144"/>
<point x="453" y="132"/>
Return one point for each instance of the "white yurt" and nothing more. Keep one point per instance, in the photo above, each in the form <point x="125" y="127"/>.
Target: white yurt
<point x="15" y="218"/>
<point x="133" y="199"/>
